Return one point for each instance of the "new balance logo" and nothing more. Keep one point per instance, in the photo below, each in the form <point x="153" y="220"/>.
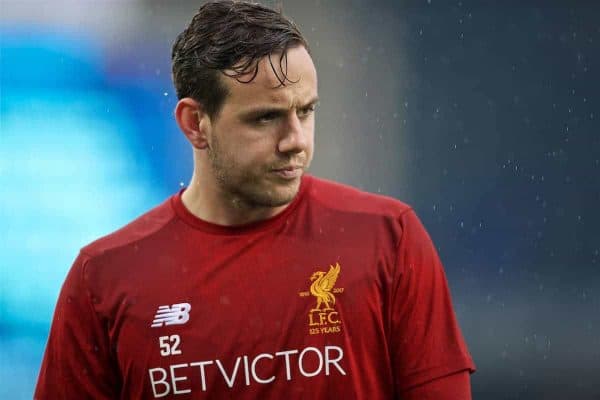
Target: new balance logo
<point x="177" y="314"/>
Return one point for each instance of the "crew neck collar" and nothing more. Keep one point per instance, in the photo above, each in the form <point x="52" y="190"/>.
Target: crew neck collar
<point x="186" y="216"/>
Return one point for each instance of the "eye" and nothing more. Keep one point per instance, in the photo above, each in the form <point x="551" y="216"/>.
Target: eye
<point x="266" y="118"/>
<point x="306" y="111"/>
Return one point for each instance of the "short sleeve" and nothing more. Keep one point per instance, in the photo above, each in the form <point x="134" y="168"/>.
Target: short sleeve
<point x="77" y="362"/>
<point x="426" y="342"/>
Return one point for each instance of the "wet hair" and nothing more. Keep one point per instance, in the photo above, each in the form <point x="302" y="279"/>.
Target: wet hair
<point x="229" y="37"/>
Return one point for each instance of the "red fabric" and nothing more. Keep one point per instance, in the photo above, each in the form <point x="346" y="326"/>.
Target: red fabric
<point x="422" y="312"/>
<point x="341" y="295"/>
<point x="456" y="386"/>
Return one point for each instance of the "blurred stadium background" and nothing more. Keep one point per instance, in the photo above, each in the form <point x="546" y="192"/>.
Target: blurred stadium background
<point x="482" y="115"/>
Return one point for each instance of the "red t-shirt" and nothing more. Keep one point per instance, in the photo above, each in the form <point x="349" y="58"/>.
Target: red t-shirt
<point x="342" y="295"/>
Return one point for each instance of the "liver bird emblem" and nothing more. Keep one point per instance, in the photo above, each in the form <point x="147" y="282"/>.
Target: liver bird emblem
<point x="322" y="286"/>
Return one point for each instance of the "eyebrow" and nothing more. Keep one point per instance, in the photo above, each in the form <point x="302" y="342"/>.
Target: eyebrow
<point x="260" y="110"/>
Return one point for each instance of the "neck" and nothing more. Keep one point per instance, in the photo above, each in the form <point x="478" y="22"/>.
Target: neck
<point x="205" y="200"/>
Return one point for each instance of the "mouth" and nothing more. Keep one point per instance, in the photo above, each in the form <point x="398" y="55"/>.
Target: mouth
<point x="289" y="172"/>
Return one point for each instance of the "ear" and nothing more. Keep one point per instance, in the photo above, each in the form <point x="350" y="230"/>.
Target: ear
<point x="193" y="122"/>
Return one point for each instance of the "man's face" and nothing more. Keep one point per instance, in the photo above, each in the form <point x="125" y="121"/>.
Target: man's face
<point x="262" y="140"/>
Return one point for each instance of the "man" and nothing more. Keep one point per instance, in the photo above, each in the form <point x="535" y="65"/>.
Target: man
<point x="256" y="281"/>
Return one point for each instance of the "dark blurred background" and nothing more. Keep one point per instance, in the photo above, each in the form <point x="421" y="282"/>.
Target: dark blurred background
<point x="484" y="116"/>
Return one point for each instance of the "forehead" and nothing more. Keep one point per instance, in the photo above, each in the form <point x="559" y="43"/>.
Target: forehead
<point x="266" y="88"/>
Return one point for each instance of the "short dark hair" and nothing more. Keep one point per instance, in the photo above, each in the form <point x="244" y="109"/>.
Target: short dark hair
<point x="229" y="36"/>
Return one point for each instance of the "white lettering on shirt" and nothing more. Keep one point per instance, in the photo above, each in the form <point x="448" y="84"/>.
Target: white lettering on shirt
<point x="207" y="374"/>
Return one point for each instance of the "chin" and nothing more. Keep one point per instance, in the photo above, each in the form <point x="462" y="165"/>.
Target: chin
<point x="282" y="197"/>
<point x="275" y="195"/>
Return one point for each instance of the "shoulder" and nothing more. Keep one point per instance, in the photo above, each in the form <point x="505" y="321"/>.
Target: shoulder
<point x="144" y="226"/>
<point x="347" y="199"/>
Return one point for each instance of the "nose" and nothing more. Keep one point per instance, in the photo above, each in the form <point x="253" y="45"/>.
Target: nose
<point x="294" y="136"/>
